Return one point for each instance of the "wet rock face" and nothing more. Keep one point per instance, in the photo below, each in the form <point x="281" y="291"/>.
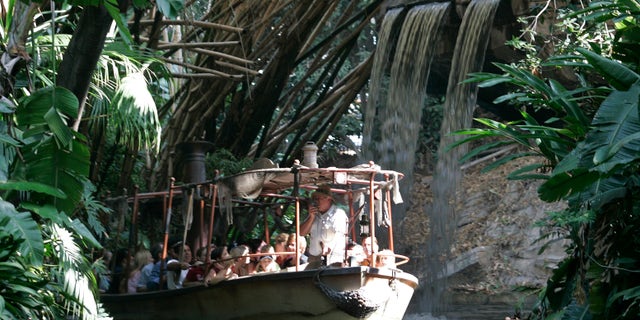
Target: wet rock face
<point x="497" y="240"/>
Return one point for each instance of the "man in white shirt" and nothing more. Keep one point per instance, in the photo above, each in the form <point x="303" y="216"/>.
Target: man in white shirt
<point x="327" y="228"/>
<point x="178" y="269"/>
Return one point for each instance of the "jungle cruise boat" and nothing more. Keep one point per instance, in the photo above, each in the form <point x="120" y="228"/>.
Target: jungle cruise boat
<point x="261" y="194"/>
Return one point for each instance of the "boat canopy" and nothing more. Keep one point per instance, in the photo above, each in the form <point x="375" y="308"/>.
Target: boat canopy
<point x="381" y="186"/>
<point x="367" y="190"/>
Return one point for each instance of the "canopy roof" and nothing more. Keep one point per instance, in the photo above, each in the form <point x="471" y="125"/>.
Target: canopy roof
<point x="252" y="183"/>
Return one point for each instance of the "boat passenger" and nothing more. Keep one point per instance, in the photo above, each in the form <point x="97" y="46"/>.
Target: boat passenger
<point x="255" y="246"/>
<point x="327" y="226"/>
<point x="267" y="249"/>
<point x="385" y="259"/>
<point x="370" y="245"/>
<point x="220" y="269"/>
<point x="196" y="273"/>
<point x="280" y="245"/>
<point x="267" y="264"/>
<point x="142" y="259"/>
<point x="201" y="255"/>
<point x="177" y="267"/>
<point x="242" y="265"/>
<point x="356" y="255"/>
<point x="291" y="246"/>
<point x="119" y="269"/>
<point x="146" y="273"/>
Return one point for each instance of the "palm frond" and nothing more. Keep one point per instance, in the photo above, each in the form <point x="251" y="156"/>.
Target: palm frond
<point x="135" y="114"/>
<point x="73" y="274"/>
<point x="23" y="298"/>
<point x="22" y="226"/>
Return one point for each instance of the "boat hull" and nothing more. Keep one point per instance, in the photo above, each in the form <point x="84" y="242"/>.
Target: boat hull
<point x="309" y="294"/>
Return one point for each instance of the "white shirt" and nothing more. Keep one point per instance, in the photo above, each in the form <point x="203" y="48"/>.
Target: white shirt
<point x="329" y="230"/>
<point x="172" y="282"/>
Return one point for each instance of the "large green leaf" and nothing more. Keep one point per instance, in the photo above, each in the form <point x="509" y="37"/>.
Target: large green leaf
<point x="32" y="186"/>
<point x="48" y="164"/>
<point x="57" y="126"/>
<point x="32" y="109"/>
<point x="46" y="211"/>
<point x="24" y="227"/>
<point x="563" y="184"/>
<point x="170" y="8"/>
<point x="615" y="125"/>
<point x="113" y="8"/>
<point x="565" y="100"/>
<point x="51" y="213"/>
<point x="618" y="75"/>
<point x="83" y="232"/>
<point x="594" y="172"/>
<point x="601" y="192"/>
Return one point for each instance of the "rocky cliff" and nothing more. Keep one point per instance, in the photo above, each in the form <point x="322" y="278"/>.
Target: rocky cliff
<point x="497" y="241"/>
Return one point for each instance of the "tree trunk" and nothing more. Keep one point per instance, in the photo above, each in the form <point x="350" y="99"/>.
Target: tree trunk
<point x="81" y="57"/>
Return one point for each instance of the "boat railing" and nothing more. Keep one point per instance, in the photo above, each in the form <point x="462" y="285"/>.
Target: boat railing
<point x="371" y="179"/>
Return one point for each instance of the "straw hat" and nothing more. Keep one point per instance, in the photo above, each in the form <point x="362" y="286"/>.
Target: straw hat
<point x="323" y="190"/>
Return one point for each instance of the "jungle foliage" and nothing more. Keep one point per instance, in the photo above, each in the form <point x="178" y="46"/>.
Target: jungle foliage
<point x="591" y="155"/>
<point x="50" y="219"/>
<point x="86" y="106"/>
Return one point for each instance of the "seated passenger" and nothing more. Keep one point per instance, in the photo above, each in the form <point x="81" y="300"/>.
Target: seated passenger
<point x="255" y="246"/>
<point x="220" y="269"/>
<point x="119" y="265"/>
<point x="267" y="264"/>
<point x="289" y="261"/>
<point x="385" y="259"/>
<point x="177" y="268"/>
<point x="142" y="259"/>
<point x="196" y="273"/>
<point x="356" y="255"/>
<point x="281" y="246"/>
<point x="242" y="265"/>
<point x="150" y="274"/>
<point x="267" y="249"/>
<point x="370" y="245"/>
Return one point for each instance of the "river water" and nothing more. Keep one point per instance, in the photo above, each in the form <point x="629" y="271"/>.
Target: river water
<point x="468" y="312"/>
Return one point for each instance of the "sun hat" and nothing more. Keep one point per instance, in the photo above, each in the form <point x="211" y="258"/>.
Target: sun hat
<point x="323" y="190"/>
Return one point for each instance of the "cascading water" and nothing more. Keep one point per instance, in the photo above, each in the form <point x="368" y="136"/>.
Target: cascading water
<point x="460" y="101"/>
<point x="393" y="116"/>
<point x="379" y="79"/>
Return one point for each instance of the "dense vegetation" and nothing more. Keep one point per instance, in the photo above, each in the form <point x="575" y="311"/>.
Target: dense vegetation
<point x="89" y="109"/>
<point x="590" y="152"/>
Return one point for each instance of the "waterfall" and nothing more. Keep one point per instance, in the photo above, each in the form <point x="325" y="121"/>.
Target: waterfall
<point x="379" y="80"/>
<point x="400" y="120"/>
<point x="398" y="92"/>
<point x="460" y="101"/>
<point x="392" y="120"/>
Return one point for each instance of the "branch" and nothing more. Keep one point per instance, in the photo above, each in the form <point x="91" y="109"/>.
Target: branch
<point x="201" y="69"/>
<point x="168" y="45"/>
<point x="196" y="23"/>
<point x="488" y="157"/>
<point x="222" y="55"/>
<point x="204" y="75"/>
